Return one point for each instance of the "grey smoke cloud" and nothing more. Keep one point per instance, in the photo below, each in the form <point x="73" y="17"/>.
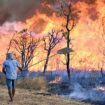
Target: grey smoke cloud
<point x="13" y="10"/>
<point x="20" y="10"/>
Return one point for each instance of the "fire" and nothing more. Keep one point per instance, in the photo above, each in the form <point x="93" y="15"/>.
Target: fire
<point x="101" y="88"/>
<point x="86" y="35"/>
<point x="57" y="80"/>
<point x="47" y="23"/>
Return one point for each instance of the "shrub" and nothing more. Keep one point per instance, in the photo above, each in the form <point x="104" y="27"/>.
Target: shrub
<point x="37" y="83"/>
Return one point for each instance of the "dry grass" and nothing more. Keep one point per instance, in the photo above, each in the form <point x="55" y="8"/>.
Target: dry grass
<point x="2" y="80"/>
<point x="33" y="92"/>
<point x="37" y="83"/>
<point x="27" y="97"/>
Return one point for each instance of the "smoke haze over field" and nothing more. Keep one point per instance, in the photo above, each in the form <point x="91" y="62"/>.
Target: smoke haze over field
<point x="12" y="10"/>
<point x="20" y="10"/>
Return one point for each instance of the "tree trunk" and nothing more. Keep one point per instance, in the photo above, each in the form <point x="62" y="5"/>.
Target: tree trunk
<point x="22" y="59"/>
<point x="46" y="63"/>
<point x="24" y="66"/>
<point x="68" y="55"/>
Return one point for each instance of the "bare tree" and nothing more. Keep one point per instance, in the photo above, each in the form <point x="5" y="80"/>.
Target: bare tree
<point x="50" y="41"/>
<point x="25" y="44"/>
<point x="71" y="17"/>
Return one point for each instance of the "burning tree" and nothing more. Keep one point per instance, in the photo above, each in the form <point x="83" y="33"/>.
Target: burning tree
<point x="50" y="41"/>
<point x="70" y="14"/>
<point x="25" y="44"/>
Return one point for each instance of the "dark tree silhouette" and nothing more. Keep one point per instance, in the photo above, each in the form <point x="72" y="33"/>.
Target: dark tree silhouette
<point x="100" y="67"/>
<point x="25" y="44"/>
<point x="50" y="41"/>
<point x="71" y="16"/>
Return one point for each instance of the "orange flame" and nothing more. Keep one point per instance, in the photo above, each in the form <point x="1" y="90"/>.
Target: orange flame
<point x="86" y="36"/>
<point x="56" y="80"/>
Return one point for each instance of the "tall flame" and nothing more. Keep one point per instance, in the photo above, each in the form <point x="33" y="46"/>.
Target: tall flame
<point x="86" y="36"/>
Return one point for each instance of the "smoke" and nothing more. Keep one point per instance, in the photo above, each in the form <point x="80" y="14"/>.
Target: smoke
<point x="90" y="10"/>
<point x="86" y="86"/>
<point x="17" y="10"/>
<point x="93" y="13"/>
<point x="20" y="10"/>
<point x="89" y="1"/>
<point x="87" y="94"/>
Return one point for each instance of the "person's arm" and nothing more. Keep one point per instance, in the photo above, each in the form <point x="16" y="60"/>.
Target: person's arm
<point x="19" y="66"/>
<point x="3" y="70"/>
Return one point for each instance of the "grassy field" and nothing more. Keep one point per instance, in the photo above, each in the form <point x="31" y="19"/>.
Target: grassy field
<point x="31" y="97"/>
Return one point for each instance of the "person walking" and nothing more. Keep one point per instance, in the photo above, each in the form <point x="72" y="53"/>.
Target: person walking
<point x="9" y="68"/>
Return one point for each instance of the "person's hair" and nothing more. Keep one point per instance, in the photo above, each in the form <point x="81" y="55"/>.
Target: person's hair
<point x="9" y="56"/>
